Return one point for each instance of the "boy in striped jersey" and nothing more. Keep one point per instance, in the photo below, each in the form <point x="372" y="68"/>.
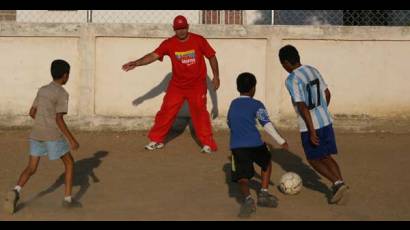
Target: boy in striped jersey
<point x="310" y="98"/>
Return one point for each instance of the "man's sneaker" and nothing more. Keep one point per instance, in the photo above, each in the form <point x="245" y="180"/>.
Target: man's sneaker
<point x="72" y="204"/>
<point x="247" y="209"/>
<point x="206" y="149"/>
<point x="267" y="200"/>
<point x="339" y="191"/>
<point x="10" y="202"/>
<point x="154" y="145"/>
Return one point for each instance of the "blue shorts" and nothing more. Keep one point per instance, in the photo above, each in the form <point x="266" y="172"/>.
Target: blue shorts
<point x="327" y="143"/>
<point x="54" y="149"/>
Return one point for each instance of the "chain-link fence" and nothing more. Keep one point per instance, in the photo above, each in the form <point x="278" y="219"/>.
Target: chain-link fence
<point x="250" y="17"/>
<point x="105" y="16"/>
<point x="343" y="17"/>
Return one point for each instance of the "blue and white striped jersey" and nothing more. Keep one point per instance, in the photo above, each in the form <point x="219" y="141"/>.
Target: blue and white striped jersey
<point x="305" y="84"/>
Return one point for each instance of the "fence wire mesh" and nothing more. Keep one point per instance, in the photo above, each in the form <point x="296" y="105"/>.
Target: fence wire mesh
<point x="251" y="17"/>
<point x="343" y="17"/>
<point x="105" y="16"/>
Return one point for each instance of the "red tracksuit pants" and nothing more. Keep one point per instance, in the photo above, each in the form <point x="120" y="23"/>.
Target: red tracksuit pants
<point x="172" y="102"/>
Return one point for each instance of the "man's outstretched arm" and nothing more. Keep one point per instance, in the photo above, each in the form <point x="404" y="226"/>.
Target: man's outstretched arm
<point x="147" y="59"/>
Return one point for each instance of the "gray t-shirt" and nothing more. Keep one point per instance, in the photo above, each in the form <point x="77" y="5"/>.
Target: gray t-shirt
<point x="50" y="100"/>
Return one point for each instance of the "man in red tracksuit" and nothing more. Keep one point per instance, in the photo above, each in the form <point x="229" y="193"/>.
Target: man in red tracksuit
<point x="187" y="51"/>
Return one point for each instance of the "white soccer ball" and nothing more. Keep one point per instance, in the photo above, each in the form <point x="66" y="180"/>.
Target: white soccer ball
<point x="290" y="183"/>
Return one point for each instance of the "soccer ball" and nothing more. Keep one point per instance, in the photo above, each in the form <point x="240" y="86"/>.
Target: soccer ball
<point x="290" y="183"/>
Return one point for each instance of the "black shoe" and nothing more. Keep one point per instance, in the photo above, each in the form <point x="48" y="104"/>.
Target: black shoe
<point x="267" y="200"/>
<point x="247" y="209"/>
<point x="339" y="193"/>
<point x="10" y="202"/>
<point x="72" y="204"/>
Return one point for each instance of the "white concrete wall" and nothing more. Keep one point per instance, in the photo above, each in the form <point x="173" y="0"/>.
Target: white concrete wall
<point x="25" y="67"/>
<point x="365" y="68"/>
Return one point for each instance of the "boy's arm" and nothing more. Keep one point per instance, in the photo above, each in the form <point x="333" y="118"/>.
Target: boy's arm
<point x="263" y="118"/>
<point x="327" y="94"/>
<point x="33" y="109"/>
<point x="270" y="129"/>
<point x="304" y="111"/>
<point x="33" y="112"/>
<point x="63" y="127"/>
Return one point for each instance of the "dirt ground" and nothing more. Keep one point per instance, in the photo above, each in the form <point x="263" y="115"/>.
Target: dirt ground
<point x="116" y="179"/>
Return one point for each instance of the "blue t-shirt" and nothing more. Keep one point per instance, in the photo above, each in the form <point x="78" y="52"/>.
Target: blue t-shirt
<point x="242" y="115"/>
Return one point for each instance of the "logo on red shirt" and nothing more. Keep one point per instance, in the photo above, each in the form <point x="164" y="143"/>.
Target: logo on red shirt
<point x="186" y="57"/>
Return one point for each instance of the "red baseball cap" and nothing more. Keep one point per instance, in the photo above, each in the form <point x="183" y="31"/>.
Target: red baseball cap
<point x="180" y="22"/>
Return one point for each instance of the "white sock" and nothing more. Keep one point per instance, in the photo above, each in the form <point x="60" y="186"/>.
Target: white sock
<point x="17" y="188"/>
<point x="67" y="198"/>
<point x="264" y="190"/>
<point x="338" y="182"/>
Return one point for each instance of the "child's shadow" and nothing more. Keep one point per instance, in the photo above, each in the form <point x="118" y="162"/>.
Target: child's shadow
<point x="83" y="170"/>
<point x="291" y="162"/>
<point x="183" y="118"/>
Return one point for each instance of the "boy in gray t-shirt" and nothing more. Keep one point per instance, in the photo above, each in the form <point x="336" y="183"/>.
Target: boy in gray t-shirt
<point x="47" y="136"/>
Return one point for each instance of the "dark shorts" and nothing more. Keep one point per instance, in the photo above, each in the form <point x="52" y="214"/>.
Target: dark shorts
<point x="243" y="159"/>
<point x="327" y="143"/>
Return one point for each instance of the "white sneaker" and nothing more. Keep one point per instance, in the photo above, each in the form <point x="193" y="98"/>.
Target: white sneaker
<point x="154" y="145"/>
<point x="206" y="149"/>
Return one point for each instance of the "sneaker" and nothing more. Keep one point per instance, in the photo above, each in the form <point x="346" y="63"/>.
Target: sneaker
<point x="154" y="145"/>
<point x="267" y="200"/>
<point x="72" y="204"/>
<point x="206" y="149"/>
<point x="247" y="209"/>
<point x="10" y="202"/>
<point x="339" y="191"/>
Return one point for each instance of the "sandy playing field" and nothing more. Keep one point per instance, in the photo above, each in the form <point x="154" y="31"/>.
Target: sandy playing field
<point x="116" y="179"/>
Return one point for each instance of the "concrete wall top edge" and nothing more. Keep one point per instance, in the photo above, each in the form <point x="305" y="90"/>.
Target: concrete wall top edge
<point x="210" y="31"/>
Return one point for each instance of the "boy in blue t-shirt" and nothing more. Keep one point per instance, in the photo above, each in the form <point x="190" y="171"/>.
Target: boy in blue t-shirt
<point x="247" y="146"/>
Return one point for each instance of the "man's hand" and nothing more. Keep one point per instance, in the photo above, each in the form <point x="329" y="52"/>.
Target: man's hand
<point x="216" y="82"/>
<point x="214" y="113"/>
<point x="314" y="138"/>
<point x="129" y="66"/>
<point x="215" y="71"/>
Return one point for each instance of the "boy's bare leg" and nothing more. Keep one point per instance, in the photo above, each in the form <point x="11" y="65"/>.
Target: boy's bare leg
<point x="69" y="172"/>
<point x="13" y="196"/>
<point x="264" y="198"/>
<point x="340" y="195"/>
<point x="266" y="176"/>
<point x="333" y="167"/>
<point x="248" y="207"/>
<point x="321" y="167"/>
<point x="244" y="186"/>
<point x="68" y="202"/>
<point x="28" y="171"/>
<point x="324" y="169"/>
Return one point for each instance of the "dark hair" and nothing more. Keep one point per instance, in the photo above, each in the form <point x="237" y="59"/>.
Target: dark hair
<point x="245" y="82"/>
<point x="59" y="68"/>
<point x="289" y="53"/>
